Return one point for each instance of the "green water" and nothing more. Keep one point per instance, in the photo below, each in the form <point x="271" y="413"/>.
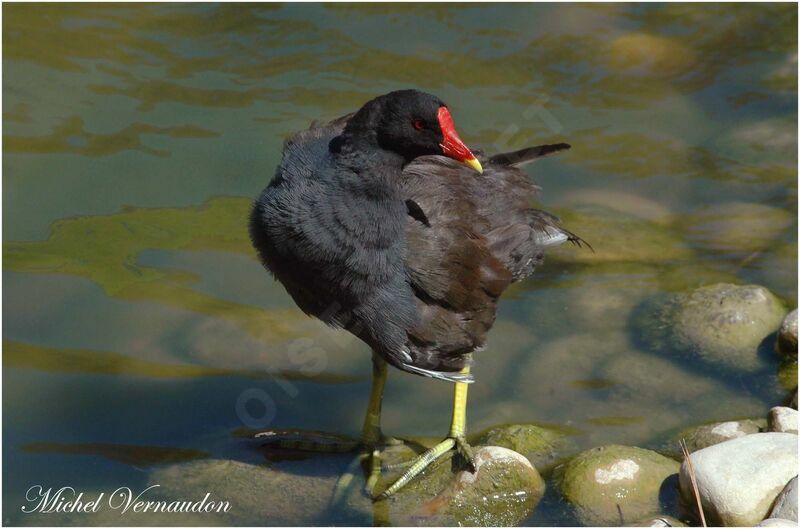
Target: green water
<point x="139" y="329"/>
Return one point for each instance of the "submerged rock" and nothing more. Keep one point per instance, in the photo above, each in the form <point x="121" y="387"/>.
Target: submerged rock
<point x="602" y="297"/>
<point x="611" y="485"/>
<point x="738" y="480"/>
<point x="258" y="495"/>
<point x="737" y="228"/>
<point x="787" y="376"/>
<point x="776" y="269"/>
<point x="107" y="517"/>
<point x="787" y="336"/>
<point x="722" y="324"/>
<point x="537" y="444"/>
<point x="638" y="206"/>
<point x="786" y="504"/>
<point x="705" y="435"/>
<point x="503" y="491"/>
<point x="650" y="378"/>
<point x="624" y="237"/>
<point x="660" y="520"/>
<point x="782" y="419"/>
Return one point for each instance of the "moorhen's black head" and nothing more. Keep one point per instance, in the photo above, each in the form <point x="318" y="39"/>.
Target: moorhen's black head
<point x="412" y="123"/>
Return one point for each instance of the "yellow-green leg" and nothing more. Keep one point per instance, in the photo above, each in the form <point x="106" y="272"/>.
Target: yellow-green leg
<point x="456" y="439"/>
<point x="371" y="436"/>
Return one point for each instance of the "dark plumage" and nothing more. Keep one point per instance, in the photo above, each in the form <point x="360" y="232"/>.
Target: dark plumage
<point x="370" y="228"/>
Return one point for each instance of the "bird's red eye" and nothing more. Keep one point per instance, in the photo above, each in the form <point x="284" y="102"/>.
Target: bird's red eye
<point x="419" y="124"/>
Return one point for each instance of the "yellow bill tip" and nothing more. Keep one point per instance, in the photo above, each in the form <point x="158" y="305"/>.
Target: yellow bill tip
<point x="475" y="164"/>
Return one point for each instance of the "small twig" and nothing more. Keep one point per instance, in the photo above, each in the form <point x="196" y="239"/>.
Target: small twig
<point x="693" y="479"/>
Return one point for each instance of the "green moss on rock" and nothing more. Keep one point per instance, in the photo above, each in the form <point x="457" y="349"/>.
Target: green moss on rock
<point x="613" y="485"/>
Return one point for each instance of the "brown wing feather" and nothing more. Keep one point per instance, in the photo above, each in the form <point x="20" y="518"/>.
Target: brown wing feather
<point x="480" y="233"/>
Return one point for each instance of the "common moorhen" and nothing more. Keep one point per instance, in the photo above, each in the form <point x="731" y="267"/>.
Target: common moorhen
<point x="384" y="223"/>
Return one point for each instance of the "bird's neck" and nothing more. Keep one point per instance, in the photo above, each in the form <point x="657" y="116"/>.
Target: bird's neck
<point x="367" y="166"/>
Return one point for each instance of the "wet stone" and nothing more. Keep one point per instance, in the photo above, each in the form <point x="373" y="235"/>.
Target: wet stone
<point x="258" y="495"/>
<point x="787" y="336"/>
<point x="737" y="228"/>
<point x="644" y="376"/>
<point x="658" y="521"/>
<point x="699" y="437"/>
<point x="787" y="375"/>
<point x="539" y="445"/>
<point x="722" y="324"/>
<point x="612" y="485"/>
<point x="624" y="237"/>
<point x="503" y="491"/>
<point x="631" y="204"/>
<point x="776" y="269"/>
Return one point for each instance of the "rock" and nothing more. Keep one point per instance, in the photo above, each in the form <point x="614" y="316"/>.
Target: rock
<point x="787" y="376"/>
<point x="722" y="324"/>
<point x="107" y="517"/>
<point x="651" y="378"/>
<point x="602" y="297"/>
<point x="777" y="522"/>
<point x="776" y="269"/>
<point x="739" y="479"/>
<point x="258" y="495"/>
<point x="628" y="203"/>
<point x="537" y="444"/>
<point x="782" y="419"/>
<point x="625" y="238"/>
<point x="558" y="369"/>
<point x="503" y="491"/>
<point x="612" y="482"/>
<point x="787" y="336"/>
<point x="706" y="435"/>
<point x="786" y="505"/>
<point x="660" y="520"/>
<point x="737" y="228"/>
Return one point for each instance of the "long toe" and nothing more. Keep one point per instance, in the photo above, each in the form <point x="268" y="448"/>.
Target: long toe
<point x="466" y="452"/>
<point x="418" y="465"/>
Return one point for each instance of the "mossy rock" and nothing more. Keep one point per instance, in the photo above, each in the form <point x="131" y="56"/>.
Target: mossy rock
<point x="259" y="495"/>
<point x="787" y="375"/>
<point x="612" y="485"/>
<point x="703" y="435"/>
<point x="786" y="344"/>
<point x="503" y="491"/>
<point x="722" y="324"/>
<point x="540" y="445"/>
<point x="661" y="520"/>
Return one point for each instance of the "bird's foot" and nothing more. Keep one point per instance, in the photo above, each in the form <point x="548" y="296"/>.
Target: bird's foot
<point x="330" y="443"/>
<point x="371" y="454"/>
<point x="423" y="461"/>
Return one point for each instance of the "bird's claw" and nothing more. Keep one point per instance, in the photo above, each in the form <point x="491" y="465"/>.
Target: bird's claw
<point x="465" y="451"/>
